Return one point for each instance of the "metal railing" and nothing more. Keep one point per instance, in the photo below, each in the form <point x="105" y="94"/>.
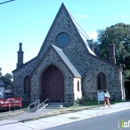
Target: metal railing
<point x="33" y="105"/>
<point x="43" y="105"/>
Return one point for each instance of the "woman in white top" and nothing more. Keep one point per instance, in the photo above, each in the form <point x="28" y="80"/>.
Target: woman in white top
<point x="106" y="98"/>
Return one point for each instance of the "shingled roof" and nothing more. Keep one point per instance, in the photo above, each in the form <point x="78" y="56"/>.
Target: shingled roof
<point x="83" y="35"/>
<point x="67" y="61"/>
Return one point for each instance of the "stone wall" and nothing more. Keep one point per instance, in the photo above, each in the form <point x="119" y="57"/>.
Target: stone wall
<point x="53" y="58"/>
<point x="19" y="76"/>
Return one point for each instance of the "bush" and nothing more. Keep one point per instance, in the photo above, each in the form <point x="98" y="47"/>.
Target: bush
<point x="80" y="101"/>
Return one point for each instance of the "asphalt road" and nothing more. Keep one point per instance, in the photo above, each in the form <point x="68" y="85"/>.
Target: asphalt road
<point x="105" y="122"/>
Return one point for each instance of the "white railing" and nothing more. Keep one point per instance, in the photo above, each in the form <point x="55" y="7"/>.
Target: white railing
<point x="100" y="96"/>
<point x="42" y="105"/>
<point x="33" y="105"/>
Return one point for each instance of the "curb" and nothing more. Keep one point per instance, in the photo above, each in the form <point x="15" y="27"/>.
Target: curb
<point x="117" y="110"/>
<point x="88" y="117"/>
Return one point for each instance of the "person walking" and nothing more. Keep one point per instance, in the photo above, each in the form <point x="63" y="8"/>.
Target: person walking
<point x="106" y="98"/>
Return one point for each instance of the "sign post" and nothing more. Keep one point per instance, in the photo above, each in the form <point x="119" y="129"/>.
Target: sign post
<point x="100" y="96"/>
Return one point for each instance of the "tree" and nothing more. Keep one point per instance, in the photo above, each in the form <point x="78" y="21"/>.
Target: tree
<point x="7" y="79"/>
<point x="118" y="34"/>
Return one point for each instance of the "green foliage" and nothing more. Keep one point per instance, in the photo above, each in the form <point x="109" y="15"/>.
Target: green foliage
<point x="126" y="74"/>
<point x="7" y="79"/>
<point x="118" y="34"/>
<point x="80" y="101"/>
<point x="8" y="76"/>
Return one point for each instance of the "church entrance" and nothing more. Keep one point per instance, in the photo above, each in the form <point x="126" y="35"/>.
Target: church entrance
<point x="52" y="84"/>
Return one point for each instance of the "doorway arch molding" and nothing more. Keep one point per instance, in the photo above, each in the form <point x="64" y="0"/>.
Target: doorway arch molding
<point x="36" y="80"/>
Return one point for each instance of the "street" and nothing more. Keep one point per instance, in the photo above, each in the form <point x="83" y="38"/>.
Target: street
<point x="105" y="122"/>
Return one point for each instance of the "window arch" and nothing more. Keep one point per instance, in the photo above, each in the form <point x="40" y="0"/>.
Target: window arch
<point x="101" y="81"/>
<point x="27" y="88"/>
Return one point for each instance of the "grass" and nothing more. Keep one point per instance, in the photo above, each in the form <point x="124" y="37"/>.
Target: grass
<point x="70" y="109"/>
<point x="95" y="103"/>
<point x="74" y="108"/>
<point x="12" y="113"/>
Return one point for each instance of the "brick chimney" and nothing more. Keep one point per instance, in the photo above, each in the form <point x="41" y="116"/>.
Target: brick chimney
<point x="91" y="44"/>
<point x="111" y="51"/>
<point x="20" y="56"/>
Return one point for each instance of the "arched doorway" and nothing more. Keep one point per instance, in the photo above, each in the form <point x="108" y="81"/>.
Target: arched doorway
<point x="52" y="84"/>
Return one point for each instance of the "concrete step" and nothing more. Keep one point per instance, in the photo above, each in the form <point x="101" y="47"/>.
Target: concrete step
<point x="54" y="105"/>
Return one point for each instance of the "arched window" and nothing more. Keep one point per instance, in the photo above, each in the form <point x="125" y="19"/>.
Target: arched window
<point x="101" y="81"/>
<point x="27" y="88"/>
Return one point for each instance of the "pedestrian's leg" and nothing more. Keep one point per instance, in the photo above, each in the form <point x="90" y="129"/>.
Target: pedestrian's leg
<point x="104" y="104"/>
<point x="108" y="102"/>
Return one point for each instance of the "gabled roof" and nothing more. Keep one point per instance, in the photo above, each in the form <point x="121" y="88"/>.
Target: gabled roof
<point x="80" y="31"/>
<point x="63" y="57"/>
<point x="2" y="83"/>
<point x="67" y="61"/>
<point x="26" y="63"/>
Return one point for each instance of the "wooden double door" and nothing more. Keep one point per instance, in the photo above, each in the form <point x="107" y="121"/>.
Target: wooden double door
<point x="52" y="84"/>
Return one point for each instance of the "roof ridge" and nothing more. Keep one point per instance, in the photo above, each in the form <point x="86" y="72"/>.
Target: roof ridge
<point x="82" y="31"/>
<point x="67" y="61"/>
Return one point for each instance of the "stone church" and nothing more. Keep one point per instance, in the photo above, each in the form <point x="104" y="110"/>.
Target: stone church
<point x="66" y="68"/>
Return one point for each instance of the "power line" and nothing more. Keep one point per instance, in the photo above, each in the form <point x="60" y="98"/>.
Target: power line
<point x="7" y="1"/>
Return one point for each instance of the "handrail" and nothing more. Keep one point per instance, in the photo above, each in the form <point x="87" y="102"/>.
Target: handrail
<point x="42" y="104"/>
<point x="47" y="100"/>
<point x="34" y="103"/>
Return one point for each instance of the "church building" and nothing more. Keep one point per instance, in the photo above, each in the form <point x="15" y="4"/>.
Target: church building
<point x="66" y="68"/>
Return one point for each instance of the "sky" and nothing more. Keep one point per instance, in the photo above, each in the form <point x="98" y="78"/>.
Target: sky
<point x="28" y="22"/>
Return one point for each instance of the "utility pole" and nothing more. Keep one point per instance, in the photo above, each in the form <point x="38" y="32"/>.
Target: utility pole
<point x="6" y="2"/>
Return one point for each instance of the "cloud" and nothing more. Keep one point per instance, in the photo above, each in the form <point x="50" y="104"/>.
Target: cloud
<point x="93" y="34"/>
<point x="124" y="15"/>
<point x="82" y="16"/>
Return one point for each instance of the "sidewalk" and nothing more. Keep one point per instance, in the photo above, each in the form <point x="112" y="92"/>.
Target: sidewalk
<point x="53" y="121"/>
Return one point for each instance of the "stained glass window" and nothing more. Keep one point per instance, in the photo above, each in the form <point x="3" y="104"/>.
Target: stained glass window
<point x="63" y="39"/>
